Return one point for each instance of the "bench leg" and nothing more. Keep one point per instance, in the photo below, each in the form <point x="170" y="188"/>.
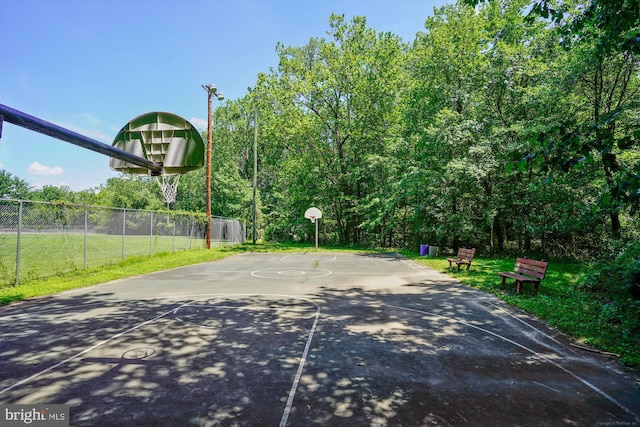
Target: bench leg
<point x="519" y="287"/>
<point x="503" y="282"/>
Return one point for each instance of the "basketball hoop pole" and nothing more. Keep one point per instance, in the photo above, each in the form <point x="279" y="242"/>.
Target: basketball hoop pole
<point x="316" y="221"/>
<point x="211" y="91"/>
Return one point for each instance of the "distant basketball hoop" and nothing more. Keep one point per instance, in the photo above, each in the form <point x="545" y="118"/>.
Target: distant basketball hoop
<point x="314" y="215"/>
<point x="163" y="138"/>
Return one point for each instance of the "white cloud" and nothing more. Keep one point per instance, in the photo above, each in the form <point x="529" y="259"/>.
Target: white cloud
<point x="36" y="168"/>
<point x="198" y="123"/>
<point x="92" y="119"/>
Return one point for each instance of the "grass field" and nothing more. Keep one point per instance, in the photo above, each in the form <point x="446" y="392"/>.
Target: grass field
<point x="48" y="254"/>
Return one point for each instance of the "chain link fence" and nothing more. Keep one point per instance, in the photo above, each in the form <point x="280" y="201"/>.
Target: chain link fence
<point x="40" y="239"/>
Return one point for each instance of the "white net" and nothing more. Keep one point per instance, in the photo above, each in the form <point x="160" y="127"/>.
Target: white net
<point x="169" y="186"/>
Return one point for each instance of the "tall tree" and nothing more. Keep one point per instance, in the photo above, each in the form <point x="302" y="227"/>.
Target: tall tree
<point x="602" y="123"/>
<point x="131" y="192"/>
<point x="12" y="187"/>
<point x="345" y="94"/>
<point x="448" y="68"/>
<point x="52" y="193"/>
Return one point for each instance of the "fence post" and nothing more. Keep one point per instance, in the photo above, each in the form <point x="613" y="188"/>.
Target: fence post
<point x="86" y="227"/>
<point x="18" y="243"/>
<point x="124" y="232"/>
<point x="151" y="234"/>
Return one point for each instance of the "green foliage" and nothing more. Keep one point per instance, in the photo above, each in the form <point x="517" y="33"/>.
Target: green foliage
<point x="51" y="193"/>
<point x="333" y="150"/>
<point x="131" y="192"/>
<point x="511" y="127"/>
<point x="618" y="274"/>
<point x="12" y="187"/>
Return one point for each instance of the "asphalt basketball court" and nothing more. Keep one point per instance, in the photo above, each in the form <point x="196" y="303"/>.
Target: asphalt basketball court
<point x="302" y="339"/>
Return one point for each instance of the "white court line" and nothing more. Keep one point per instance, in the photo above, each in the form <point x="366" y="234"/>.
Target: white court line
<point x="305" y="353"/>
<point x="68" y="359"/>
<point x="547" y="358"/>
<point x="533" y="327"/>
<point x="312" y="274"/>
<point x="249" y="307"/>
<point x="294" y="386"/>
<point x="298" y="375"/>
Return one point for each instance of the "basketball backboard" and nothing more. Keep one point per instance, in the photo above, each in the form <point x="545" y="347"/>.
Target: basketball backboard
<point x="313" y="214"/>
<point x="163" y="138"/>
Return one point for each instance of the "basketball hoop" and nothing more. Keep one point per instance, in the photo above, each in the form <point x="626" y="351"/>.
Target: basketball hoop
<point x="163" y="138"/>
<point x="313" y="214"/>
<point x="169" y="186"/>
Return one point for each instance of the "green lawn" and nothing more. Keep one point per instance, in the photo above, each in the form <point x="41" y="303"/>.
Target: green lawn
<point x="48" y="254"/>
<point x="131" y="267"/>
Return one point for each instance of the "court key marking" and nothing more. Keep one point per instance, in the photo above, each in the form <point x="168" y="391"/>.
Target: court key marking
<point x="279" y="273"/>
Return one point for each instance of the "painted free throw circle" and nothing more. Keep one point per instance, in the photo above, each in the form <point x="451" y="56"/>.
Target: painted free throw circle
<point x="289" y="273"/>
<point x="292" y="272"/>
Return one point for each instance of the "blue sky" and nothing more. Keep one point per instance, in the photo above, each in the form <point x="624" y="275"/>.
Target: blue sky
<point x="93" y="65"/>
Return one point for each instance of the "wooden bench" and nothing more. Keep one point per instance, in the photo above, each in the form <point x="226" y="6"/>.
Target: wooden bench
<point x="465" y="256"/>
<point x="526" y="271"/>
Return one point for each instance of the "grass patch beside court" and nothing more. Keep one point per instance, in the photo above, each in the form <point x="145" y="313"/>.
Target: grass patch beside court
<point x="130" y="267"/>
<point x="560" y="302"/>
<point x="51" y="254"/>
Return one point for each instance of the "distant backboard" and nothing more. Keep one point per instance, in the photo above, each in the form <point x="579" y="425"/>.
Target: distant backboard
<point x="163" y="138"/>
<point x="313" y="214"/>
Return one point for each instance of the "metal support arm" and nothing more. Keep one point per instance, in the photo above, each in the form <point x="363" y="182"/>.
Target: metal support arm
<point x="24" y="120"/>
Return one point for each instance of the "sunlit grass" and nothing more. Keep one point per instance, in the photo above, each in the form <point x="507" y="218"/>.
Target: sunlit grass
<point x="49" y="254"/>
<point x="130" y="267"/>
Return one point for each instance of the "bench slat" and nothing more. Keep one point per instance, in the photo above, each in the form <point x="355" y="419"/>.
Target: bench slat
<point x="531" y="267"/>
<point x="465" y="256"/>
<point x="526" y="270"/>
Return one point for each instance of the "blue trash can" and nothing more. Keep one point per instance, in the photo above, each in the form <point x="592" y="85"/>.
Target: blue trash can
<point x="424" y="249"/>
